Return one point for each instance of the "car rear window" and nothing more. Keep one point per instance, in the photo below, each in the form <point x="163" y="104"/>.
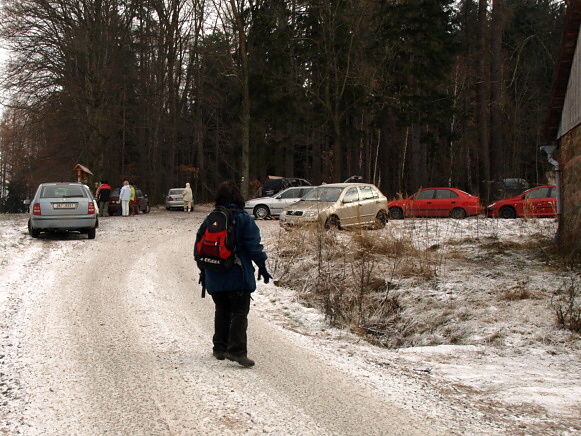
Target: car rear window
<point x="291" y="193"/>
<point x="176" y="191"/>
<point x="539" y="193"/>
<point x="351" y="195"/>
<point x="60" y="191"/>
<point x="445" y="193"/>
<point x="367" y="193"/>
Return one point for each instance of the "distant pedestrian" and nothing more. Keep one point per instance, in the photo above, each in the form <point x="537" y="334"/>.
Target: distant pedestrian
<point x="188" y="197"/>
<point x="231" y="290"/>
<point x="125" y="198"/>
<point x="132" y="199"/>
<point x="103" y="192"/>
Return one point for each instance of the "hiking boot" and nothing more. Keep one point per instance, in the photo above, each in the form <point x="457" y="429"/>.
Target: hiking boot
<point x="219" y="354"/>
<point x="241" y="359"/>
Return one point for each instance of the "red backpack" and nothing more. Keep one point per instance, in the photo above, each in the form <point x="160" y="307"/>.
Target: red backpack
<point x="216" y="249"/>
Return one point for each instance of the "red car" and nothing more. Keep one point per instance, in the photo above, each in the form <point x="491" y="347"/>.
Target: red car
<point x="536" y="202"/>
<point x="436" y="202"/>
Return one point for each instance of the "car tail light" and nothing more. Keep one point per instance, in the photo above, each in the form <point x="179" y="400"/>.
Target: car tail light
<point x="36" y="209"/>
<point x="91" y="208"/>
<point x="170" y="198"/>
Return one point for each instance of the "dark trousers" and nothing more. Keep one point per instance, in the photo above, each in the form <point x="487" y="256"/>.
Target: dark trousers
<point x="103" y="208"/>
<point x="231" y="321"/>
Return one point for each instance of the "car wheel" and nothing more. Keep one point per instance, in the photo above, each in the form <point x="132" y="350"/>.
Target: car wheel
<point x="91" y="233"/>
<point x="35" y="233"/>
<point x="507" y="212"/>
<point x="261" y="212"/>
<point x="396" y="213"/>
<point x="147" y="209"/>
<point x="333" y="222"/>
<point x="458" y="213"/>
<point x="380" y="220"/>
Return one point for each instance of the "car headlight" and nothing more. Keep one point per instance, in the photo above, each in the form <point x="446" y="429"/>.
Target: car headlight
<point x="491" y="206"/>
<point x="310" y="213"/>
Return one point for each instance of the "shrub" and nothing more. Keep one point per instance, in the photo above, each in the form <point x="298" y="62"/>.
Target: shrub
<point x="567" y="307"/>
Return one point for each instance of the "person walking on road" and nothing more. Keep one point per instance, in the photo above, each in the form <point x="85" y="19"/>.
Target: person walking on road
<point x="188" y="197"/>
<point x="231" y="290"/>
<point x="125" y="198"/>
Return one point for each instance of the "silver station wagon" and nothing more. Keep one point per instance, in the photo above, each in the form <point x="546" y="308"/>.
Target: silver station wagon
<point x="63" y="207"/>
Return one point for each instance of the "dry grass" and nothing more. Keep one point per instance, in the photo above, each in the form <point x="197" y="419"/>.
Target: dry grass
<point x="567" y="306"/>
<point x="395" y="289"/>
<point x="516" y="292"/>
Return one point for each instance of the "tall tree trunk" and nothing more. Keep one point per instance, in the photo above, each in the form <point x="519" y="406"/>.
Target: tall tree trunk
<point x="496" y="83"/>
<point x="337" y="151"/>
<point x="418" y="160"/>
<point x="482" y="106"/>
<point x="317" y="159"/>
<point x="289" y="153"/>
<point x="245" y="166"/>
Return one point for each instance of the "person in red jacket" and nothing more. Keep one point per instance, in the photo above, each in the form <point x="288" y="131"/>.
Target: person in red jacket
<point x="103" y="192"/>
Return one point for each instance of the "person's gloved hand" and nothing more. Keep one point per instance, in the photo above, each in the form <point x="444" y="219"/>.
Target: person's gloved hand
<point x="262" y="272"/>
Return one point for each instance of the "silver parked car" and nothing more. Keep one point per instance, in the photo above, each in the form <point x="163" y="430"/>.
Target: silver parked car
<point x="174" y="199"/>
<point x="63" y="207"/>
<point x="264" y="207"/>
<point x="339" y="205"/>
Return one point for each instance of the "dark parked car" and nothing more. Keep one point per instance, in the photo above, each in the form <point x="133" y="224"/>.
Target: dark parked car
<point x="141" y="200"/>
<point x="63" y="207"/>
<point x="275" y="185"/>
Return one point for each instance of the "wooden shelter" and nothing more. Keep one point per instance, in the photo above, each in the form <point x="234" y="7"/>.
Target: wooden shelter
<point x="82" y="173"/>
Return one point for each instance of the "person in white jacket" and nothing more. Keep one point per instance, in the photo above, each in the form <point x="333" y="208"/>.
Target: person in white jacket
<point x="124" y="197"/>
<point x="188" y="197"/>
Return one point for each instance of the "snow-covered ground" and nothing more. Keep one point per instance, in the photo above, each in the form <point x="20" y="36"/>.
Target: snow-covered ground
<point x="513" y="371"/>
<point x="515" y="365"/>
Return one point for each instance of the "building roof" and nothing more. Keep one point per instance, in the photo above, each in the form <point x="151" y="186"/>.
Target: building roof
<point x="561" y="81"/>
<point x="83" y="169"/>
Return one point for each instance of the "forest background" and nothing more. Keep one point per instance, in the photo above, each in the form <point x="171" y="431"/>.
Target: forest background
<point x="407" y="94"/>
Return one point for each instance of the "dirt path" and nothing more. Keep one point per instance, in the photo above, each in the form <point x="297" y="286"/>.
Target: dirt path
<point x="115" y="339"/>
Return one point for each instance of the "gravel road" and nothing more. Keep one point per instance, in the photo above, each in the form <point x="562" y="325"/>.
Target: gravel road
<point x="114" y="339"/>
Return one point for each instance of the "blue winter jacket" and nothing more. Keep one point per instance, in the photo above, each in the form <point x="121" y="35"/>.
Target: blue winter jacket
<point x="249" y="250"/>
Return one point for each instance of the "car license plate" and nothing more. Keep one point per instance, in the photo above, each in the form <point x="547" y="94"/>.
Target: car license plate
<point x="64" y="205"/>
